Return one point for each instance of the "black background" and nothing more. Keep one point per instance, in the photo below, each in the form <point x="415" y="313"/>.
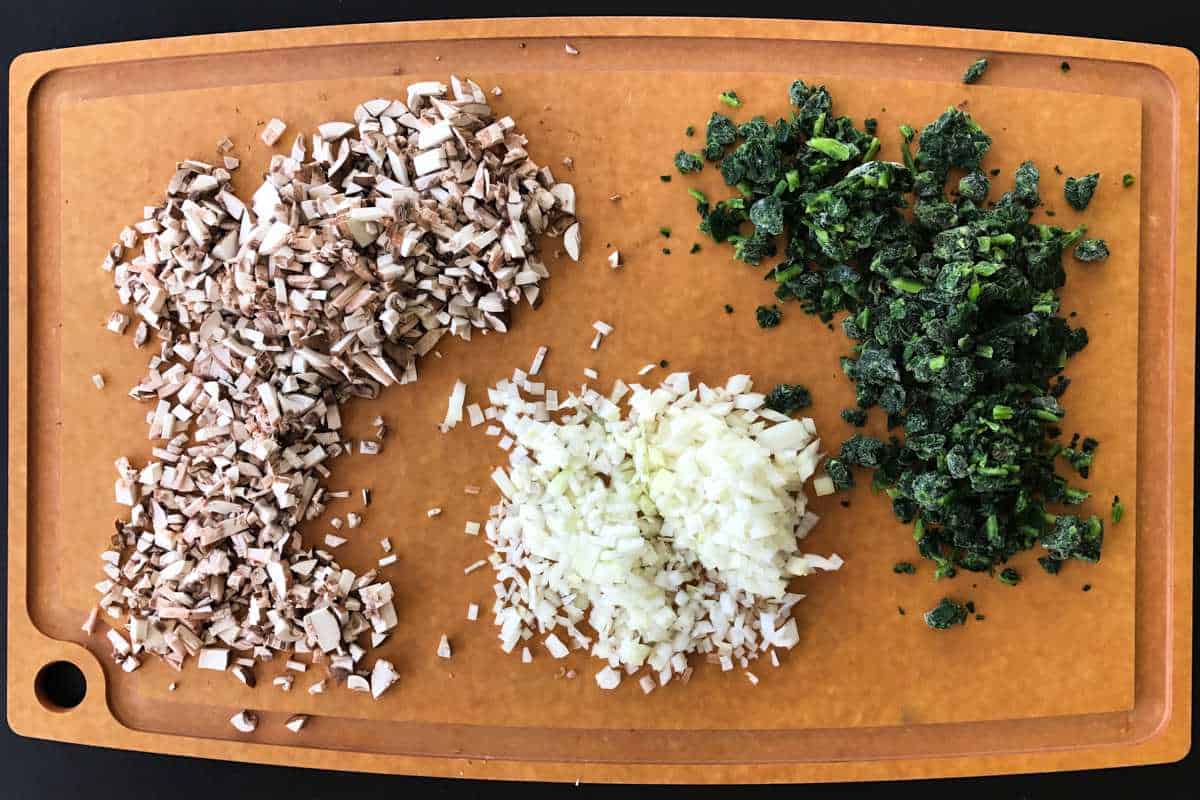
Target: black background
<point x="34" y="769"/>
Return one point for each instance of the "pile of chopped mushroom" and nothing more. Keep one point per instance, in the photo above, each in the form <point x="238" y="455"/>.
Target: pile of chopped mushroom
<point x="361" y="249"/>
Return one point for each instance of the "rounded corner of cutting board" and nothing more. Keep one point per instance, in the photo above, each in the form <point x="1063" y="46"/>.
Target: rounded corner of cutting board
<point x="27" y="72"/>
<point x="29" y="650"/>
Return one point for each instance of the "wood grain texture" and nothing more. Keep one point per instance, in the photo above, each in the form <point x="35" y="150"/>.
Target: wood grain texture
<point x="1110" y="664"/>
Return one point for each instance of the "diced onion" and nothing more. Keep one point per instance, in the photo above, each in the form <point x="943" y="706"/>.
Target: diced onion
<point x="650" y="525"/>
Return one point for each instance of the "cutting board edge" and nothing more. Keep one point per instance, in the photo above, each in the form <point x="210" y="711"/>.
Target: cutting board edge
<point x="1164" y="736"/>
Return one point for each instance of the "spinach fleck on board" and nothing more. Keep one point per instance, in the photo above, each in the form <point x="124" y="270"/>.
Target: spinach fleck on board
<point x="1010" y="576"/>
<point x="1079" y="191"/>
<point x="687" y="162"/>
<point x="1118" y="509"/>
<point x="768" y="317"/>
<point x="788" y="398"/>
<point x="975" y="71"/>
<point x="731" y="99"/>
<point x="1091" y="250"/>
<point x="946" y="614"/>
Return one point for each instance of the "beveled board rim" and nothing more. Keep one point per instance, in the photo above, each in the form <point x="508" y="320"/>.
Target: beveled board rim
<point x="1160" y="733"/>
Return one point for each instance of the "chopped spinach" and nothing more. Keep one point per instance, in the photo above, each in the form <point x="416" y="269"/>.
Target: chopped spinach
<point x="953" y="312"/>
<point x="1079" y="191"/>
<point x="768" y="317"/>
<point x="1091" y="250"/>
<point x="975" y="71"/>
<point x="687" y="162"/>
<point x="855" y="416"/>
<point x="788" y="398"/>
<point x="1051" y="565"/>
<point x="946" y="614"/>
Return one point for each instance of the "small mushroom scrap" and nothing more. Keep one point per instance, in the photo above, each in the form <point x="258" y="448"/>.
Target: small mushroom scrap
<point x="244" y="721"/>
<point x="383" y="675"/>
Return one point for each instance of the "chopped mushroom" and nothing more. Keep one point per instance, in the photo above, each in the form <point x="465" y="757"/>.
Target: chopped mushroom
<point x="214" y="658"/>
<point x="98" y="380"/>
<point x="614" y="259"/>
<point x="362" y="248"/>
<point x="245" y="675"/>
<point x="244" y="721"/>
<point x="296" y="722"/>
<point x="572" y="241"/>
<point x="383" y="675"/>
<point x="443" y="648"/>
<point x="538" y="359"/>
<point x="570" y="49"/>
<point x="117" y="322"/>
<point x="272" y="131"/>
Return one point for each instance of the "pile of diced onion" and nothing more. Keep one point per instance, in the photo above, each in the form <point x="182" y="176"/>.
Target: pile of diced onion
<point x="650" y="525"/>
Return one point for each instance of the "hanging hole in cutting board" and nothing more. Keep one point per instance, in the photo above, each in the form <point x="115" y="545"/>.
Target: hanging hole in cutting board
<point x="60" y="686"/>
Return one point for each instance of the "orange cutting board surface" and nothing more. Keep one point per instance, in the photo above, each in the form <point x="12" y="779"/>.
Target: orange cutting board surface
<point x="1053" y="678"/>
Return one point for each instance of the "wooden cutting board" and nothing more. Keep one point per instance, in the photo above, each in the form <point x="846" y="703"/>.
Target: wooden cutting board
<point x="1055" y="678"/>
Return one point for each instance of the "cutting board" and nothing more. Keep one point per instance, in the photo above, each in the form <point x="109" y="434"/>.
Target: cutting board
<point x="1053" y="678"/>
